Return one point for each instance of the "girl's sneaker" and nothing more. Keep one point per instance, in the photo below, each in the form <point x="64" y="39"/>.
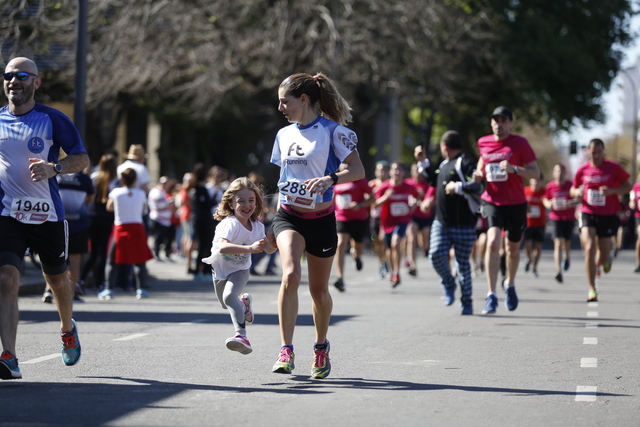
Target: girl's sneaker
<point x="239" y="343"/>
<point x="248" y="313"/>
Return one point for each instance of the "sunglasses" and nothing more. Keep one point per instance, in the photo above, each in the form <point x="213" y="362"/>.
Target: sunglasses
<point x="20" y="75"/>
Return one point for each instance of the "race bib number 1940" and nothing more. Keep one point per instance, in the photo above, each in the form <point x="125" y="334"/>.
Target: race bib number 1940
<point x="296" y="194"/>
<point x="30" y="210"/>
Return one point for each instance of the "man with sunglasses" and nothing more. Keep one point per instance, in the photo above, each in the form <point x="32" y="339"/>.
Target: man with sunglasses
<point x="31" y="211"/>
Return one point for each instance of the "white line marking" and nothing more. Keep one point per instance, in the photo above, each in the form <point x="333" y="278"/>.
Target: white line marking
<point x="592" y="314"/>
<point x="592" y="304"/>
<point x="194" y="321"/>
<point x="591" y="325"/>
<point x="589" y="362"/>
<point x="586" y="393"/>
<point x="590" y="340"/>
<point x="131" y="337"/>
<point x="41" y="359"/>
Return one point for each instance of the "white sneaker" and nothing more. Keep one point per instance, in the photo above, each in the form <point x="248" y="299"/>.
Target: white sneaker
<point x="105" y="295"/>
<point x="47" y="297"/>
<point x="141" y="293"/>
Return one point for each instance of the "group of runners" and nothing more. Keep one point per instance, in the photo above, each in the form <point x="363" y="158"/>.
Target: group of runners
<point x="318" y="159"/>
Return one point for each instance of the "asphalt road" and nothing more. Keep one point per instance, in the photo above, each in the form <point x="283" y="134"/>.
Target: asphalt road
<point x="399" y="356"/>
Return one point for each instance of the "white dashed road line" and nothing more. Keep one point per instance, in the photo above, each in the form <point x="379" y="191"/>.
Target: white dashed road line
<point x="586" y="393"/>
<point x="590" y="340"/>
<point x="41" y="359"/>
<point x="589" y="362"/>
<point x="131" y="337"/>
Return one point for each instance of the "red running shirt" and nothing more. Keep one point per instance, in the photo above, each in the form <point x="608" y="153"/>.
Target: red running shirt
<point x="536" y="213"/>
<point x="559" y="195"/>
<point x="635" y="191"/>
<point x="504" y="188"/>
<point x="347" y="193"/>
<point x="424" y="192"/>
<point x="608" y="174"/>
<point x="397" y="209"/>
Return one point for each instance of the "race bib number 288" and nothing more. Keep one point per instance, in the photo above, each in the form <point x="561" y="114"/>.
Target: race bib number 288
<point x="30" y="210"/>
<point x="296" y="194"/>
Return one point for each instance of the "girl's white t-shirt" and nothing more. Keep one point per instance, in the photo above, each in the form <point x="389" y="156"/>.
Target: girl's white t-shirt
<point x="128" y="204"/>
<point x="232" y="230"/>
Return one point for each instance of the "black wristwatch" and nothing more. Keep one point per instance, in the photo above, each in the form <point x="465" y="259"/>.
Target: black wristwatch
<point x="58" y="168"/>
<point x="334" y="177"/>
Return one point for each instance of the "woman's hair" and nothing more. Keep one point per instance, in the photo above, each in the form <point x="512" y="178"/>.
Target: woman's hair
<point x="322" y="93"/>
<point x="107" y="173"/>
<point x="128" y="177"/>
<point x="224" y="208"/>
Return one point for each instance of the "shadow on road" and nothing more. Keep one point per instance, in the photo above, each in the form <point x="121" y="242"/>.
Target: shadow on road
<point x="99" y="404"/>
<point x="38" y="316"/>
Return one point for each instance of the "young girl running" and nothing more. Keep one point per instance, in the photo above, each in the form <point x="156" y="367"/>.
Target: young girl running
<point x="237" y="236"/>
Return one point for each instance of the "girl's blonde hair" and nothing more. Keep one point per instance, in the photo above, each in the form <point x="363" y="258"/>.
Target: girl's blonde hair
<point x="322" y="93"/>
<point x="224" y="208"/>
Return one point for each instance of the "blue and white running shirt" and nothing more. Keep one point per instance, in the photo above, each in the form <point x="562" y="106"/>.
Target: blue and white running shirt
<point x="38" y="134"/>
<point x="312" y="151"/>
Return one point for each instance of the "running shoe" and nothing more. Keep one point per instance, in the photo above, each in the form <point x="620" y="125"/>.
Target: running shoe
<point x="248" y="313"/>
<point x="593" y="296"/>
<point x="598" y="273"/>
<point x="71" y="349"/>
<point x="386" y="267"/>
<point x="9" y="369"/>
<point x="239" y="343"/>
<point x="606" y="267"/>
<point x="535" y="273"/>
<point x="527" y="266"/>
<point x="284" y="364"/>
<point x="395" y="280"/>
<point x="511" y="301"/>
<point x="77" y="299"/>
<point x="339" y="284"/>
<point x="105" y="295"/>
<point x="80" y="287"/>
<point x="467" y="309"/>
<point x="358" y="262"/>
<point x="637" y="270"/>
<point x="47" y="297"/>
<point x="559" y="278"/>
<point x="413" y="272"/>
<point x="448" y="297"/>
<point x="141" y="293"/>
<point x="382" y="271"/>
<point x="491" y="304"/>
<point x="321" y="363"/>
<point x="566" y="264"/>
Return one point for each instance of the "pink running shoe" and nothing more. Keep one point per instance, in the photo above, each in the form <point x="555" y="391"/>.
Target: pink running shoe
<point x="239" y="343"/>
<point x="248" y="313"/>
